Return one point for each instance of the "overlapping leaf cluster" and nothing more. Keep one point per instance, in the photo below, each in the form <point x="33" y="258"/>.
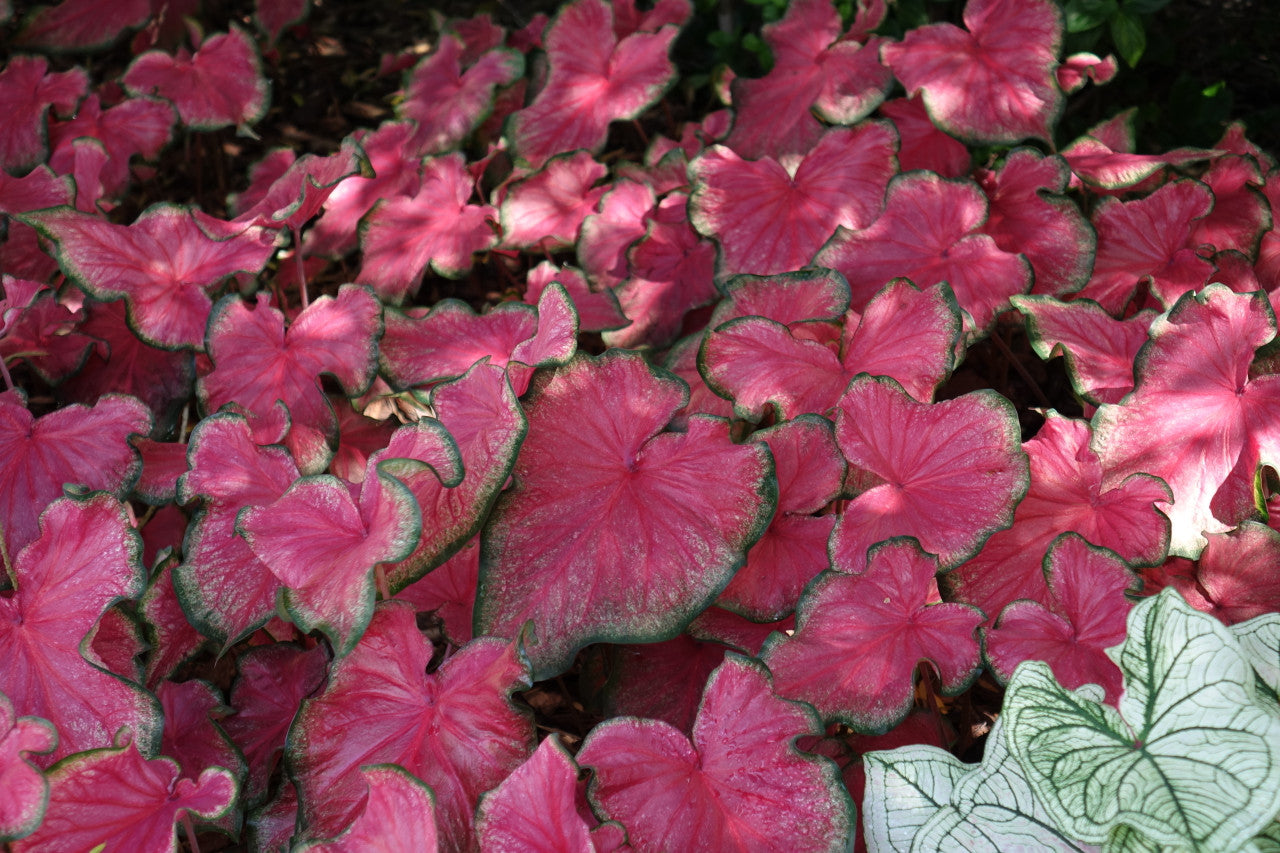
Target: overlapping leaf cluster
<point x="708" y="455"/>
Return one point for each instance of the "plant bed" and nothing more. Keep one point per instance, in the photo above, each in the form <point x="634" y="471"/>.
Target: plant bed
<point x="442" y="431"/>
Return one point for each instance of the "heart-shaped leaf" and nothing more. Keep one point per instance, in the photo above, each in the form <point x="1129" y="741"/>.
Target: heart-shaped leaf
<point x="650" y="525"/>
<point x="75" y="444"/>
<point x="221" y="84"/>
<point x="930" y="232"/>
<point x="456" y="728"/>
<point x="1197" y="418"/>
<point x="399" y="816"/>
<point x="86" y="557"/>
<point x="993" y="82"/>
<point x="597" y="75"/>
<point x="1160" y="765"/>
<point x="535" y="808"/>
<point x="115" y="799"/>
<point x="858" y="640"/>
<point x="163" y="265"/>
<point x="26" y="790"/>
<point x="947" y="474"/>
<point x="922" y="798"/>
<point x="739" y="784"/>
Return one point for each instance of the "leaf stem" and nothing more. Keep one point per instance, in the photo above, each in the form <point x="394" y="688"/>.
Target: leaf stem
<point x="1021" y="368"/>
<point x="297" y="260"/>
<point x="191" y="832"/>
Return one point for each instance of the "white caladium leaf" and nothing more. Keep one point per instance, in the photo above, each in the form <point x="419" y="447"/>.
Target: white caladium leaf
<point x="1192" y="758"/>
<point x="1260" y="639"/>
<point x="921" y="798"/>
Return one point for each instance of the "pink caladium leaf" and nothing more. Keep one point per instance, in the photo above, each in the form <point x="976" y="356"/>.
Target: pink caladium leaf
<point x="86" y="162"/>
<point x="596" y="77"/>
<point x="859" y="638"/>
<point x="20" y="253"/>
<point x="597" y="310"/>
<point x="482" y="415"/>
<point x="396" y="172"/>
<point x="163" y="266"/>
<point x="140" y="126"/>
<point x="1103" y="160"/>
<point x="1235" y="577"/>
<point x="163" y="462"/>
<point x="297" y="195"/>
<point x="86" y="557"/>
<point x="803" y="296"/>
<point x="271" y="683"/>
<point x="993" y="82"/>
<point x="41" y="331"/>
<point x="26" y="790"/>
<point x="605" y="236"/>
<point x="271" y="825"/>
<point x="273" y="16"/>
<point x="658" y="520"/>
<point x="257" y="361"/>
<point x="359" y="437"/>
<point x="816" y="74"/>
<point x="1030" y="216"/>
<point x="76" y="444"/>
<point x="262" y="175"/>
<point x="1099" y="349"/>
<point x="672" y="271"/>
<point x="793" y="550"/>
<point x="160" y="378"/>
<point x="1066" y="494"/>
<point x="435" y="228"/>
<point x="449" y="592"/>
<point x="27" y="93"/>
<point x="1241" y="214"/>
<point x="1081" y="68"/>
<point x="1196" y="418"/>
<point x="904" y="333"/>
<point x="738" y="784"/>
<point x="220" y="84"/>
<point x="534" y="809"/>
<point x="948" y="474"/>
<point x="660" y="681"/>
<point x="172" y="638"/>
<point x="226" y="591"/>
<point x="682" y="360"/>
<point x="930" y="232"/>
<point x="447" y="102"/>
<point x="399" y="816"/>
<point x="771" y="218"/>
<point x="421" y="348"/>
<point x="1084" y="616"/>
<point x="324" y="543"/>
<point x="545" y="210"/>
<point x="81" y="24"/>
<point x="456" y="729"/>
<point x="715" y="624"/>
<point x="193" y="736"/>
<point x="117" y="799"/>
<point x="115" y="644"/>
<point x="923" y="145"/>
<point x="1148" y="240"/>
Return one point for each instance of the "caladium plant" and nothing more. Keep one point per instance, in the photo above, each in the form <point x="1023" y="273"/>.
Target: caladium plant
<point x="561" y="448"/>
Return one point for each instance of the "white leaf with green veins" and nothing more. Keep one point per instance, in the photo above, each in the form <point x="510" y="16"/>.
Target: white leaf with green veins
<point x="905" y="787"/>
<point x="983" y="807"/>
<point x="1260" y="638"/>
<point x="1191" y="760"/>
